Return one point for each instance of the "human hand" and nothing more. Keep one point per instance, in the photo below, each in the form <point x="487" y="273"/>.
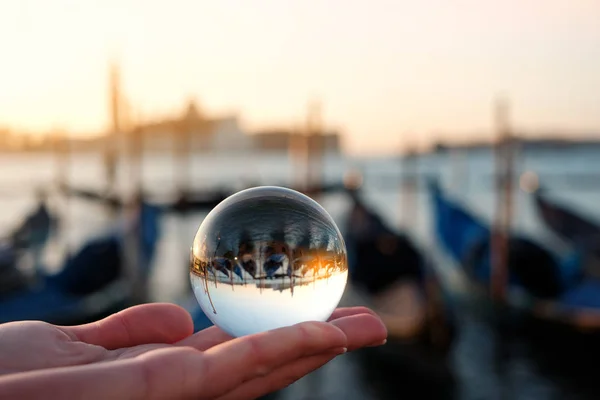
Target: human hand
<point x="149" y="352"/>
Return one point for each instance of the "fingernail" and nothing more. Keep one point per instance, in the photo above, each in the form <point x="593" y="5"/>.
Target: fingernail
<point x="339" y="350"/>
<point x="377" y="344"/>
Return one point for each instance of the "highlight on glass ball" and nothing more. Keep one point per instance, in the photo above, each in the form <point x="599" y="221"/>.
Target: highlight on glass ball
<point x="266" y="258"/>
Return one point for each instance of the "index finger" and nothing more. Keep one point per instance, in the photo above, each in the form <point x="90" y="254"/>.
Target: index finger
<point x="213" y="336"/>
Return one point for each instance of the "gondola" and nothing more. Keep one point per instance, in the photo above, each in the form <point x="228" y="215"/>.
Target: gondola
<point x="389" y="273"/>
<point x="95" y="282"/>
<point x="551" y="288"/>
<point x="384" y="262"/>
<point x="578" y="231"/>
<point x="182" y="204"/>
<point x="29" y="237"/>
<point x="35" y="229"/>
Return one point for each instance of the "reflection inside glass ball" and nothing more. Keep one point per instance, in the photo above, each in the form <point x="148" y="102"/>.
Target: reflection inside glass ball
<point x="265" y="258"/>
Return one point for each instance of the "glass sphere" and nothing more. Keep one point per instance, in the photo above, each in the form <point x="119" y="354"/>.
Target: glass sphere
<point x="266" y="258"/>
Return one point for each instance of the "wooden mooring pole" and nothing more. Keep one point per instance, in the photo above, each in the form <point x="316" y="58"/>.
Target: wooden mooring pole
<point x="504" y="201"/>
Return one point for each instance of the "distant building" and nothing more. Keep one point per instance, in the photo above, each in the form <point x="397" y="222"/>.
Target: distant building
<point x="189" y="131"/>
<point x="278" y="141"/>
<point x="547" y="141"/>
<point x="196" y="132"/>
<point x="5" y="139"/>
<point x="192" y="131"/>
<point x="226" y="134"/>
<point x="19" y="141"/>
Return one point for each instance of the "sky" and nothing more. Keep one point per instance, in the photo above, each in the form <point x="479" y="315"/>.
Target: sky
<point x="389" y="74"/>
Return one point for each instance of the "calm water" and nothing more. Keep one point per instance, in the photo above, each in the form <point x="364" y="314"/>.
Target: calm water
<point x="473" y="354"/>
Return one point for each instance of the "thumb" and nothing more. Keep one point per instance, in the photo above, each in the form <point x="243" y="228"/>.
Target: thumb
<point x="143" y="324"/>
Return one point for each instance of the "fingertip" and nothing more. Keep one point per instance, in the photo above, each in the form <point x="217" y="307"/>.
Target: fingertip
<point x="177" y="319"/>
<point x="362" y="330"/>
<point x="175" y="309"/>
<point x="349" y="311"/>
<point x="364" y="310"/>
<point x="330" y="334"/>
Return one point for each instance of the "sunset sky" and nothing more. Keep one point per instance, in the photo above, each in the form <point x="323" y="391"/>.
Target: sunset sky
<point x="382" y="69"/>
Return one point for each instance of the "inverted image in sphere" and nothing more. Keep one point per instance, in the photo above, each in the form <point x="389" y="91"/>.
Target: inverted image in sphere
<point x="265" y="258"/>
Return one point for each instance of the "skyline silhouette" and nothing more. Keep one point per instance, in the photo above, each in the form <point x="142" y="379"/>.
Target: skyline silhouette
<point x="389" y="75"/>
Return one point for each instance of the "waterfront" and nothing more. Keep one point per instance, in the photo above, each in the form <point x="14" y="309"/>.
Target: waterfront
<point x="472" y="359"/>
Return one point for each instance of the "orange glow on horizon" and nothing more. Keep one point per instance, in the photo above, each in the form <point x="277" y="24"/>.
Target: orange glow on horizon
<point x="380" y="68"/>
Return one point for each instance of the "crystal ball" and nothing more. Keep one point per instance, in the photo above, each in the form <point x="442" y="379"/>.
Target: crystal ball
<point x="265" y="258"/>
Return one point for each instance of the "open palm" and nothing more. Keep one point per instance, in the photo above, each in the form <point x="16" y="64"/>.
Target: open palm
<point x="149" y="351"/>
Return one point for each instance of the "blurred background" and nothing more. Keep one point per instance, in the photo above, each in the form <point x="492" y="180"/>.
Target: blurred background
<point x="455" y="143"/>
